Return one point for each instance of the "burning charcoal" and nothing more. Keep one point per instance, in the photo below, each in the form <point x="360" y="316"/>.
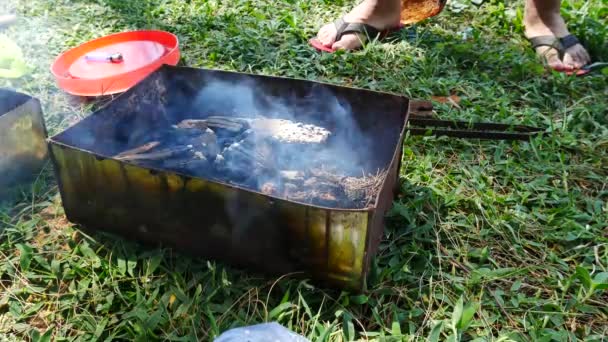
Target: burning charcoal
<point x="292" y="176"/>
<point x="363" y="189"/>
<point x="182" y="137"/>
<point x="355" y="188"/>
<point x="157" y="155"/>
<point x="326" y="175"/>
<point x="193" y="124"/>
<point x="237" y="154"/>
<point x="310" y="182"/>
<point x="289" y="189"/>
<point x="219" y="160"/>
<point x="140" y="149"/>
<point x="280" y="130"/>
<point x="269" y="188"/>
<point x="326" y="199"/>
<point x="251" y="155"/>
<point x="300" y="196"/>
<point x="321" y="184"/>
<point x="244" y="135"/>
<point x="173" y="164"/>
<point x="287" y="131"/>
<point x="207" y="143"/>
<point x="234" y="125"/>
<point x="197" y="167"/>
<point x="236" y="164"/>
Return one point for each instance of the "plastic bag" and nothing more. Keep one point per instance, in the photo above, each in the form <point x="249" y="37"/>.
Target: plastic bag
<point x="267" y="332"/>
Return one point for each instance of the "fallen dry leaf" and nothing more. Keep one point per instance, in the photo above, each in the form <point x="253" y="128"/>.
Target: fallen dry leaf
<point x="454" y="100"/>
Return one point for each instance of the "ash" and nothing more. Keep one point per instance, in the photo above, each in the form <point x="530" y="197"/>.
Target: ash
<point x="257" y="154"/>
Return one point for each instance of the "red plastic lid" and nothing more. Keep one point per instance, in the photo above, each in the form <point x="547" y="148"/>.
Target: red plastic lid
<point x="114" y="63"/>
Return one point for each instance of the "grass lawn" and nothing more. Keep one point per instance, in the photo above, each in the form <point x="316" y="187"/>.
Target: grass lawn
<point x="487" y="241"/>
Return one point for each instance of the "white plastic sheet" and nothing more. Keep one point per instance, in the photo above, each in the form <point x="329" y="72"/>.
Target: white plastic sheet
<point x="267" y="332"/>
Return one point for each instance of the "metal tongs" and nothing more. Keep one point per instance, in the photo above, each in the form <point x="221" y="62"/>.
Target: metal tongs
<point x="420" y="123"/>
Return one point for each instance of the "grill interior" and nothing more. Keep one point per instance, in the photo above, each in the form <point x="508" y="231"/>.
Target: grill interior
<point x="344" y="171"/>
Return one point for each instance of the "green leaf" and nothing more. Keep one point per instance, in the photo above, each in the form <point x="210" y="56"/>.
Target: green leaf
<point x="153" y="264"/>
<point x="516" y="286"/>
<point x="457" y="313"/>
<point x="396" y="329"/>
<point x="35" y="335"/>
<point x="99" y="328"/>
<point x="435" y="332"/>
<point x="46" y="337"/>
<point x="601" y="278"/>
<point x="154" y="319"/>
<point x="25" y="257"/>
<point x="87" y="251"/>
<point x="600" y="281"/>
<point x="325" y="333"/>
<point x="122" y="266"/>
<point x="56" y="267"/>
<point x="131" y="264"/>
<point x="467" y="316"/>
<point x="83" y="286"/>
<point x="215" y="331"/>
<point x="285" y="298"/>
<point x="348" y="328"/>
<point x="274" y="313"/>
<point x="584" y="276"/>
<point x="305" y="305"/>
<point x="361" y="299"/>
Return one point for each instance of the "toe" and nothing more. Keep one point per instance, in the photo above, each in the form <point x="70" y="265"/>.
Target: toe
<point x="582" y="56"/>
<point x="552" y="59"/>
<point x="571" y="58"/>
<point x="577" y="56"/>
<point x="327" y="35"/>
<point x="348" y="42"/>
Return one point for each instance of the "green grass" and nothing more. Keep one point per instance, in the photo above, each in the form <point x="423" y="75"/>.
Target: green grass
<point x="489" y="241"/>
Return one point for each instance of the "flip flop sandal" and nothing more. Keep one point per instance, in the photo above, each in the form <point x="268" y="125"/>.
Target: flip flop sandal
<point x="343" y="27"/>
<point x="561" y="45"/>
<point x="595" y="66"/>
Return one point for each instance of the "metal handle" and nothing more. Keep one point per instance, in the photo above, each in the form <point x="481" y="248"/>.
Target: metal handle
<point x="420" y="124"/>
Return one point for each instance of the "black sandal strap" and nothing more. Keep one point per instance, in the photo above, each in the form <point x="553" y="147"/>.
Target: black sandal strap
<point x="559" y="44"/>
<point x="568" y="41"/>
<point x="343" y="27"/>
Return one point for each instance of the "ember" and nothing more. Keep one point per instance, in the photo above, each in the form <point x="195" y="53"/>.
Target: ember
<point x="244" y="151"/>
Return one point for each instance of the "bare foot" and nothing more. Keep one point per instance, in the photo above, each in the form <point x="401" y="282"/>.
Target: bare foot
<point x="380" y="14"/>
<point x="543" y="18"/>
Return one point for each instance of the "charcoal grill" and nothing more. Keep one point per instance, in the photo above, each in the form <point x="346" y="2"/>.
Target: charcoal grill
<point x="213" y="215"/>
<point x="23" y="148"/>
<point x="215" y="219"/>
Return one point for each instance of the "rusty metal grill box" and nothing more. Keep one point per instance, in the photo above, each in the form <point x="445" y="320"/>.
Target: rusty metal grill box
<point x="218" y="220"/>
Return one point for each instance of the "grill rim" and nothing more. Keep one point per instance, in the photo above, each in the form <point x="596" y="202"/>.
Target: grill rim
<point x="55" y="139"/>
